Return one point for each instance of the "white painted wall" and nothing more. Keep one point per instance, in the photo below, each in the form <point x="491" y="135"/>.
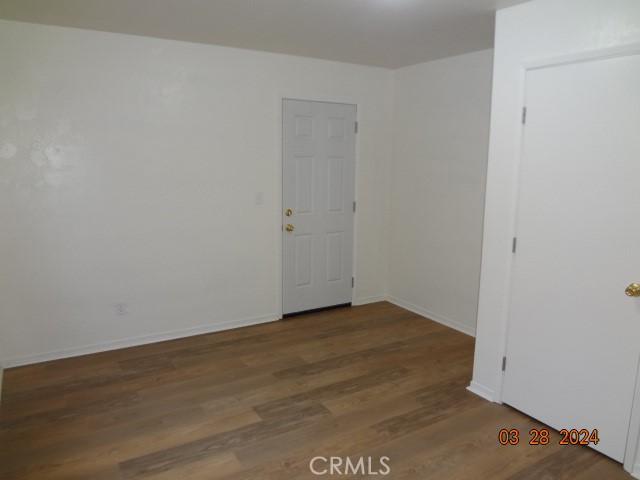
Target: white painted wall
<point x="147" y="172"/>
<point x="532" y="31"/>
<point x="441" y="136"/>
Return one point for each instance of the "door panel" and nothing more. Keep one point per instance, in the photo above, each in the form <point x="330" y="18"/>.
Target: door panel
<point x="304" y="247"/>
<point x="334" y="256"/>
<point x="304" y="184"/>
<point x="574" y="336"/>
<point x="318" y="186"/>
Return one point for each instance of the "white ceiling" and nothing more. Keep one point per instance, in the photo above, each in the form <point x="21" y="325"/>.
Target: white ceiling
<point x="386" y="33"/>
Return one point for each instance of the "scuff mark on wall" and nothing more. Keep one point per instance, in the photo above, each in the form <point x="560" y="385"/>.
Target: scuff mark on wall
<point x="47" y="157"/>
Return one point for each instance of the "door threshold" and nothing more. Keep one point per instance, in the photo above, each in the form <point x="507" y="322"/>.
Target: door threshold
<point x="315" y="310"/>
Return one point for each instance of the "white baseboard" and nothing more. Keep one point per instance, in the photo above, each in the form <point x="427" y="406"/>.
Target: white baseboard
<point x="367" y="300"/>
<point x="137" y="341"/>
<point x="482" y="391"/>
<point x="432" y="316"/>
<point x="210" y="328"/>
<point x="636" y="471"/>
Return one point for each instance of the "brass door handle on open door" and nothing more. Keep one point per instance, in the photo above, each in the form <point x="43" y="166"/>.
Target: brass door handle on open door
<point x="289" y="228"/>
<point x="633" y="290"/>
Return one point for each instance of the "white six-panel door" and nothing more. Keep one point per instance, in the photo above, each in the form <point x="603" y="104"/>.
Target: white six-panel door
<point x="574" y="335"/>
<point x="318" y="204"/>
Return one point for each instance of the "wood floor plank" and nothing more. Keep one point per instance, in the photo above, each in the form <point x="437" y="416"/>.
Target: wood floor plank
<point x="260" y="402"/>
<point x="197" y="450"/>
<point x="280" y="407"/>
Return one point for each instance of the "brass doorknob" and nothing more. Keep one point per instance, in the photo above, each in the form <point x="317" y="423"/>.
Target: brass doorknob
<point x="289" y="228"/>
<point x="288" y="212"/>
<point x="633" y="290"/>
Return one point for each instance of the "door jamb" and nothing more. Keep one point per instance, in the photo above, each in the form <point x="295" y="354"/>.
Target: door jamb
<point x="631" y="457"/>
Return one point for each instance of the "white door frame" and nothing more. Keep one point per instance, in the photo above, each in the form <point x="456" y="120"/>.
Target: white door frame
<point x="310" y="97"/>
<point x="631" y="463"/>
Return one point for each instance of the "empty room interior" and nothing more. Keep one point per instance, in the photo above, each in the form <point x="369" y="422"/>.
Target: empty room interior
<point x="287" y="239"/>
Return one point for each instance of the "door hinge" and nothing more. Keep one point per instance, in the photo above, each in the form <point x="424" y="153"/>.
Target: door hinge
<point x="514" y="245"/>
<point x="504" y="363"/>
<point x="354" y="207"/>
<point x="353" y="282"/>
<point x="524" y="115"/>
<point x="355" y="127"/>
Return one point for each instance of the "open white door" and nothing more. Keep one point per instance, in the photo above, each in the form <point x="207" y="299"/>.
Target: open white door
<point x="318" y="202"/>
<point x="574" y="335"/>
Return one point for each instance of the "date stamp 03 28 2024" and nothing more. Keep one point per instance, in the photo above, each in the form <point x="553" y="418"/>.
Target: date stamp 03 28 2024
<point x="542" y="436"/>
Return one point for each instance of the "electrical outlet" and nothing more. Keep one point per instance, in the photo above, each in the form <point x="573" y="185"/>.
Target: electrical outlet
<point x="121" y="309"/>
